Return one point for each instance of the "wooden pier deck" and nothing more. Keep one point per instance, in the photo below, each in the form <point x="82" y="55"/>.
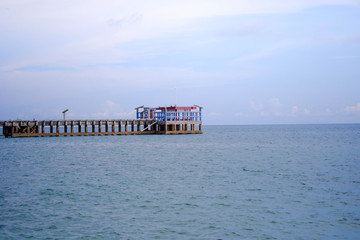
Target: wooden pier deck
<point x="88" y="127"/>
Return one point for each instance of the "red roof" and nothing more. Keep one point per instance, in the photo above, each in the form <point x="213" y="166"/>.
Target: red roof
<point x="175" y="108"/>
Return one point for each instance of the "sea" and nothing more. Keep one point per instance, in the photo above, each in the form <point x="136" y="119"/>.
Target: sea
<point x="231" y="182"/>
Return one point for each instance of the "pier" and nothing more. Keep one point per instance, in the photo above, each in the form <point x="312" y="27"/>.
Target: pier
<point x="160" y="120"/>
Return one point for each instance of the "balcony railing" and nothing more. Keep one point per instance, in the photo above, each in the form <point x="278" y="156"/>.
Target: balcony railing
<point x="171" y="116"/>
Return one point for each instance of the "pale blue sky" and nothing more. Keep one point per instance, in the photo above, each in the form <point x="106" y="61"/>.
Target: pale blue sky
<point x="244" y="61"/>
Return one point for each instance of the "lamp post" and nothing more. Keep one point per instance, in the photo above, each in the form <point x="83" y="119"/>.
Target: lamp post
<point x="65" y="112"/>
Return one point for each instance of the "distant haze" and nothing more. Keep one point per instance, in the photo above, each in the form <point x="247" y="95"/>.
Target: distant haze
<point x="244" y="61"/>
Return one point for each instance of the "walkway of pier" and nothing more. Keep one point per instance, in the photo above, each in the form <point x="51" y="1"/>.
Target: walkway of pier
<point x="38" y="128"/>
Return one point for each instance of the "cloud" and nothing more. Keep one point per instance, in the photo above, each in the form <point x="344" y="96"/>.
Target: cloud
<point x="269" y="51"/>
<point x="112" y="109"/>
<point x="275" y="103"/>
<point x="297" y="111"/>
<point x="253" y="29"/>
<point x="132" y="19"/>
<point x="79" y="33"/>
<point x="294" y="110"/>
<point x="256" y="106"/>
<point x="272" y="107"/>
<point x="240" y="114"/>
<point x="328" y="111"/>
<point x="353" y="109"/>
<point x="306" y="111"/>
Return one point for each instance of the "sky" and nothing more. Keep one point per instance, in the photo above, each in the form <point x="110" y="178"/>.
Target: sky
<point x="244" y="61"/>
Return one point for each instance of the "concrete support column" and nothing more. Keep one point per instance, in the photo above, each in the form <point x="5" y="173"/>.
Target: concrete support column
<point x="99" y="127"/>
<point x="86" y="127"/>
<point x="6" y="132"/>
<point x="51" y="128"/>
<point x="57" y="128"/>
<point x="43" y="128"/>
<point x="126" y="127"/>
<point x="113" y="127"/>
<point x="107" y="127"/>
<point x="72" y="127"/>
<point x="132" y="127"/>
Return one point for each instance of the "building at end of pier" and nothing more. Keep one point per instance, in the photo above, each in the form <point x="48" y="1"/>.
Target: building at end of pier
<point x="173" y="119"/>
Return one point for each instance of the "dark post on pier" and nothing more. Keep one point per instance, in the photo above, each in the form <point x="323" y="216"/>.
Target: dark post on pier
<point x="149" y="120"/>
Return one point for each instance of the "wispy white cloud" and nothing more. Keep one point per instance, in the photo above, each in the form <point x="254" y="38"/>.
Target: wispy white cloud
<point x="306" y="111"/>
<point x="294" y="110"/>
<point x="80" y="32"/>
<point x="353" y="109"/>
<point x="256" y="106"/>
<point x="272" y="107"/>
<point x="240" y="114"/>
<point x="269" y="50"/>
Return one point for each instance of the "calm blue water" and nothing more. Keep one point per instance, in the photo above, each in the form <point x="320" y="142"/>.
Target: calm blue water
<point x="232" y="182"/>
